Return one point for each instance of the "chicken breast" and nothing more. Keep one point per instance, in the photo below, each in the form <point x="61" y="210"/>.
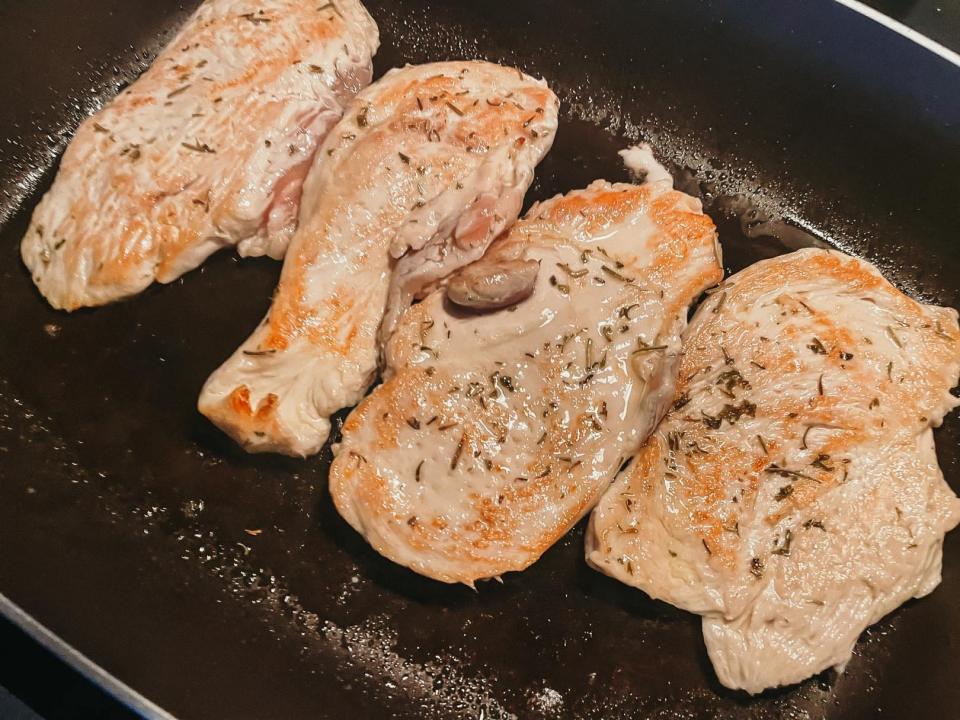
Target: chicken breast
<point x="430" y="159"/>
<point x="208" y="148"/>
<point x="498" y="429"/>
<point x="792" y="495"/>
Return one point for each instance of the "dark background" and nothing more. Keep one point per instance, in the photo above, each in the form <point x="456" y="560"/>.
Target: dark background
<point x="35" y="683"/>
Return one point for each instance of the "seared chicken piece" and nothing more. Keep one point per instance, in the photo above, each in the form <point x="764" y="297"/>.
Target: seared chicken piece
<point x="498" y="430"/>
<point x="792" y="495"/>
<point x="208" y="148"/>
<point x="434" y="157"/>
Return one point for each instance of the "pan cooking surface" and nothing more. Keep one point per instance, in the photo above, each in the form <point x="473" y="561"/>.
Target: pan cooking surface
<point x="225" y="585"/>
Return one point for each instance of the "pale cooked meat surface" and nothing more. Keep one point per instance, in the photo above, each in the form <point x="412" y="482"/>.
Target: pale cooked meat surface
<point x="496" y="431"/>
<point x="208" y="148"/>
<point x="792" y="495"/>
<point x="449" y="145"/>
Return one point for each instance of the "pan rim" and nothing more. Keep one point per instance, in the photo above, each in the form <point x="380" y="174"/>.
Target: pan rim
<point x="907" y="32"/>
<point x="89" y="669"/>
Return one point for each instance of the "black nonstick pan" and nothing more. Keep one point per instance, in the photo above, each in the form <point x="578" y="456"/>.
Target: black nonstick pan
<point x="214" y="584"/>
